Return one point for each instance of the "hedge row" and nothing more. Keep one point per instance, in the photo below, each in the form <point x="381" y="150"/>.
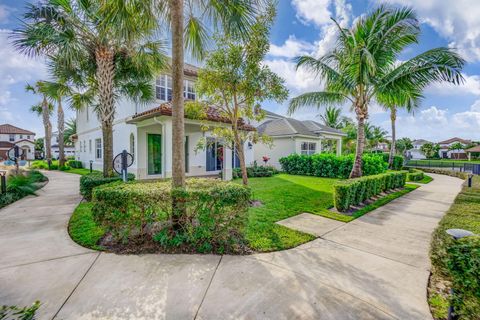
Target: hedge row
<point x="216" y="213"/>
<point x="397" y="161"/>
<point x="95" y="179"/>
<point x="355" y="191"/>
<point x="255" y="171"/>
<point x="330" y="165"/>
<point x="415" y="175"/>
<point x="456" y="174"/>
<point x="75" y="164"/>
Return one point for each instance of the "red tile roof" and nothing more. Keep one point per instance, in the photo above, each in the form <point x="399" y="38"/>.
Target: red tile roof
<point x="6" y="145"/>
<point x="473" y="149"/>
<point x="455" y="140"/>
<point x="9" y="129"/>
<point x="165" y="109"/>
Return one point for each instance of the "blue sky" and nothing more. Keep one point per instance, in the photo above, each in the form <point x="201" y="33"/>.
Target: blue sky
<point x="304" y="27"/>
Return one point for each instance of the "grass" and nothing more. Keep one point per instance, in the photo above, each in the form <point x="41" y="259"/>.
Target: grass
<point x="439" y="306"/>
<point x="80" y="171"/>
<point x="426" y="179"/>
<point x="463" y="214"/>
<point x="83" y="229"/>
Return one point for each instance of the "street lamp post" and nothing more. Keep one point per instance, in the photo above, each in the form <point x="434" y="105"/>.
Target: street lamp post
<point x="91" y="166"/>
<point x="3" y="177"/>
<point x="456" y="234"/>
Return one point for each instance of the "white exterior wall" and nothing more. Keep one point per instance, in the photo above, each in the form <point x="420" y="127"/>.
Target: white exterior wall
<point x="282" y="147"/>
<point x="17" y="137"/>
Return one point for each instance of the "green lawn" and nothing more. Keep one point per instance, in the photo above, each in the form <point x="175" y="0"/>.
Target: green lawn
<point x="80" y="171"/>
<point x="82" y="227"/>
<point x="426" y="179"/>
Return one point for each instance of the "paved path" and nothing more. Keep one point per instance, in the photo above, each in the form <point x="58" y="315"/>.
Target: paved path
<point x="375" y="267"/>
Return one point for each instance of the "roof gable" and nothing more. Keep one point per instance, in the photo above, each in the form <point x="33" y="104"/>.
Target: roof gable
<point x="9" y="129"/>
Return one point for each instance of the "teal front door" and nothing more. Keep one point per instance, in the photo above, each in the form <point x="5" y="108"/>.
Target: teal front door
<point x="154" y="153"/>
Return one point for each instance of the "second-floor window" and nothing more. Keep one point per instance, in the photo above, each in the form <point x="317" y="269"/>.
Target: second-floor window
<point x="163" y="88"/>
<point x="98" y="148"/>
<point x="11" y="137"/>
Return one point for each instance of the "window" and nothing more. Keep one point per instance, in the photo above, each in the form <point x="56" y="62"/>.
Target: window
<point x="90" y="146"/>
<point x="28" y="137"/>
<point x="98" y="148"/>
<point x="132" y="145"/>
<point x="189" y="90"/>
<point x="308" y="148"/>
<point x="21" y="136"/>
<point x="11" y="137"/>
<point x="163" y="88"/>
<point x="214" y="155"/>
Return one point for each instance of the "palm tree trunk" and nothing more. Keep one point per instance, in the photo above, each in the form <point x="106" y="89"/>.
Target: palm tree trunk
<point x="241" y="157"/>
<point x="104" y="75"/>
<point x="357" y="165"/>
<point x="178" y="125"/>
<point x="393" y="118"/>
<point x="48" y="129"/>
<point x="61" y="131"/>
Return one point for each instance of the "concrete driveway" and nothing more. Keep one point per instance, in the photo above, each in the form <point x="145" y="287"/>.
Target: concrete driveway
<point x="375" y="267"/>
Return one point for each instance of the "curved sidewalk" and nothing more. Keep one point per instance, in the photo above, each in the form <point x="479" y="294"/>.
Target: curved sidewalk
<point x="375" y="267"/>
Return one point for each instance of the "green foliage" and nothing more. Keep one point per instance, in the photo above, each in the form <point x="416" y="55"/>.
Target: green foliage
<point x="75" y="164"/>
<point x="456" y="174"/>
<point x="355" y="191"/>
<point x="459" y="261"/>
<point x="397" y="161"/>
<point x="415" y="175"/>
<point x="215" y="220"/>
<point x="430" y="150"/>
<point x="17" y="313"/>
<point x="95" y="179"/>
<point x="21" y="185"/>
<point x="331" y="166"/>
<point x="403" y="144"/>
<point x="256" y="172"/>
<point x="83" y="229"/>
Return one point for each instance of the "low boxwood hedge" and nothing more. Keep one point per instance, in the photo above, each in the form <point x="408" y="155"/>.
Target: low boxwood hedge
<point x="355" y="191"/>
<point x="397" y="161"/>
<point x="216" y="213"/>
<point x="95" y="179"/>
<point x="451" y="173"/>
<point x="415" y="175"/>
<point x="331" y="166"/>
<point x="256" y="172"/>
<point x="75" y="164"/>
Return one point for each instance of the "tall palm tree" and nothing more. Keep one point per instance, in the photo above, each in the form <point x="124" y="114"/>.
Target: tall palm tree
<point x="45" y="109"/>
<point x="105" y="43"/>
<point x="70" y="130"/>
<point x="332" y="117"/>
<point x="363" y="67"/>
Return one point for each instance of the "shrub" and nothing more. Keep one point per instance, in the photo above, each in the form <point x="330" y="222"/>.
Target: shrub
<point x="21" y="185"/>
<point x="331" y="166"/>
<point x="39" y="164"/>
<point x="355" y="191"/>
<point x="397" y="161"/>
<point x="256" y="171"/>
<point x="75" y="164"/>
<point x="415" y="175"/>
<point x="216" y="213"/>
<point x="95" y="179"/>
<point x="451" y="173"/>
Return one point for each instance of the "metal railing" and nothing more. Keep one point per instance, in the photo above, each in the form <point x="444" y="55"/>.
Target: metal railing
<point x="450" y="165"/>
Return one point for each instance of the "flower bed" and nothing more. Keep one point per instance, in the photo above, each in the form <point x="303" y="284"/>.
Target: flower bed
<point x="355" y="191"/>
<point x="216" y="214"/>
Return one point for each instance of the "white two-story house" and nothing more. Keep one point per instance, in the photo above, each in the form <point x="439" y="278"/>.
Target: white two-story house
<point x="145" y="131"/>
<point x="69" y="149"/>
<point x="11" y="136"/>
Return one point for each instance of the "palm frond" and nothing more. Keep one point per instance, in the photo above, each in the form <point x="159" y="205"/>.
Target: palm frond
<point x="315" y="100"/>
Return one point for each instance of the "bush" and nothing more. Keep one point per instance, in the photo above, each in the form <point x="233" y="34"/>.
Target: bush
<point x="21" y="185"/>
<point x="397" y="161"/>
<point x="331" y="166"/>
<point x="95" y="179"/>
<point x="216" y="213"/>
<point x="415" y="175"/>
<point x="456" y="174"/>
<point x="75" y="164"/>
<point x="355" y="191"/>
<point x="256" y="171"/>
<point x="39" y="164"/>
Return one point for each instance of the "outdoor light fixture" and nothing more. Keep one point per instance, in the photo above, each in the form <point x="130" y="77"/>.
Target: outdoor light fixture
<point x="470" y="176"/>
<point x="91" y="166"/>
<point x="456" y="234"/>
<point x="3" y="181"/>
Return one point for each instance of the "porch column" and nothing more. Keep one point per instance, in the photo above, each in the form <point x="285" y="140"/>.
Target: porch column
<point x="227" y="172"/>
<point x="167" y="148"/>
<point x="339" y="147"/>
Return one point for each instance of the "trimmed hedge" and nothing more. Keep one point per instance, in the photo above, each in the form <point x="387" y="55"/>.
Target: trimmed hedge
<point x="75" y="164"/>
<point x="355" y="191"/>
<point x="95" y="179"/>
<point x="255" y="172"/>
<point x="451" y="173"/>
<point x="415" y="175"/>
<point x="397" y="161"/>
<point x="331" y="166"/>
<point x="216" y="213"/>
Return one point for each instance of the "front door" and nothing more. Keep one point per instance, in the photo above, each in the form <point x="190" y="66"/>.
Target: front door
<point x="214" y="155"/>
<point x="154" y="153"/>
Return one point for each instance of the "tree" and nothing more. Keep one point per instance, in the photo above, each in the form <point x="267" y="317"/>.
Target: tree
<point x="40" y="145"/>
<point x="102" y="47"/>
<point x="403" y="145"/>
<point x="332" y="117"/>
<point x="430" y="150"/>
<point x="70" y="130"/>
<point x="45" y="109"/>
<point x="457" y="146"/>
<point x="375" y="136"/>
<point x="363" y="67"/>
<point x="234" y="81"/>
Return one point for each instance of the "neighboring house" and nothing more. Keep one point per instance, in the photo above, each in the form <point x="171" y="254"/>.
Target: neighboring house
<point x="382" y="147"/>
<point x="11" y="136"/>
<point x="146" y="132"/>
<point x="415" y="153"/>
<point x="473" y="152"/>
<point x="69" y="148"/>
<point x="446" y="153"/>
<point x="293" y="136"/>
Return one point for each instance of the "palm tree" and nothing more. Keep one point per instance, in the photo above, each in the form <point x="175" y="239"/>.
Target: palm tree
<point x="70" y="130"/>
<point x="376" y="135"/>
<point x="364" y="68"/>
<point x="332" y="117"/>
<point x="103" y="46"/>
<point x="45" y="109"/>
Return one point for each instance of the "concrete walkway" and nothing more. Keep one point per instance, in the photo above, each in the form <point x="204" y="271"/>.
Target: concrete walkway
<point x="375" y="267"/>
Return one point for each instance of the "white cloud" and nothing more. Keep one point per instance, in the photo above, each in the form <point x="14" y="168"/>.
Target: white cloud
<point x="5" y="12"/>
<point x="470" y="86"/>
<point x="291" y="48"/>
<point x="457" y="21"/>
<point x="315" y="11"/>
